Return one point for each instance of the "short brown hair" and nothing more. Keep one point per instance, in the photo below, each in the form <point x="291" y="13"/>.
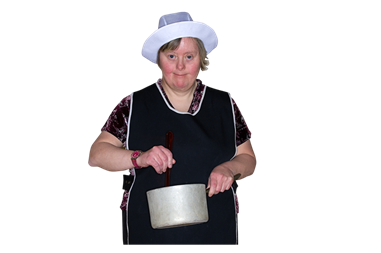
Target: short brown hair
<point x="174" y="44"/>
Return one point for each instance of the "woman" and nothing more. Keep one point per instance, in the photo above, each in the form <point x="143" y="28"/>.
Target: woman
<point x="211" y="139"/>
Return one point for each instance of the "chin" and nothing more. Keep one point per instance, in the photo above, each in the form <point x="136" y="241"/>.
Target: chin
<point x="180" y="83"/>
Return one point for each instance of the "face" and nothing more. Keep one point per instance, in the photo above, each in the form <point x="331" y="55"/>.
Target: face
<point x="180" y="67"/>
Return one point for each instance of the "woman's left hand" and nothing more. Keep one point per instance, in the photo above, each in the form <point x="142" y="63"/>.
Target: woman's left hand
<point x="220" y="180"/>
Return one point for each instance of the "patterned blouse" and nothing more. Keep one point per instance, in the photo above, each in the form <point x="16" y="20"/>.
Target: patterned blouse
<point x="118" y="121"/>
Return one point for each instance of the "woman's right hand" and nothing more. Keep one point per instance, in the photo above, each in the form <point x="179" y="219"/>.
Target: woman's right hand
<point x="159" y="157"/>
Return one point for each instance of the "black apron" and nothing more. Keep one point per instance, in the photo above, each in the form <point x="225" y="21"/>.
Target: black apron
<point x="201" y="142"/>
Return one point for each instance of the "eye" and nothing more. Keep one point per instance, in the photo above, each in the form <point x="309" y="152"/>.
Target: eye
<point x="171" y="56"/>
<point x="189" y="57"/>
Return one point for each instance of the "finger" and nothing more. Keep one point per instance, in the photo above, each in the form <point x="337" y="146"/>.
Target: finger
<point x="208" y="183"/>
<point x="212" y="189"/>
<point x="169" y="161"/>
<point x="165" y="161"/>
<point x="223" y="184"/>
<point x="158" y="164"/>
<point x="168" y="156"/>
<point x="227" y="187"/>
<point x="227" y="184"/>
<point x="161" y="159"/>
<point x="218" y="186"/>
<point x="157" y="167"/>
<point x="230" y="182"/>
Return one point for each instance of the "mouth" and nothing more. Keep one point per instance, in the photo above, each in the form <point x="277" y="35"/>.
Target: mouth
<point x="179" y="74"/>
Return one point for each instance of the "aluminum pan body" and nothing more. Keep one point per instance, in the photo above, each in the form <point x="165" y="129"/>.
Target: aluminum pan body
<point x="179" y="205"/>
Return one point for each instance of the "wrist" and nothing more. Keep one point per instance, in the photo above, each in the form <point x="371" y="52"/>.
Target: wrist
<point x="139" y="160"/>
<point x="134" y="159"/>
<point x="227" y="166"/>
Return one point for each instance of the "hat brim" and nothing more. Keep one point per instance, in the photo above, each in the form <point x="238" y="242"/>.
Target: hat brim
<point x="179" y="30"/>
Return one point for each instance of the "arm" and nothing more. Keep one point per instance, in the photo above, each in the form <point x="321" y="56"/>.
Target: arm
<point x="221" y="178"/>
<point x="107" y="153"/>
<point x="244" y="162"/>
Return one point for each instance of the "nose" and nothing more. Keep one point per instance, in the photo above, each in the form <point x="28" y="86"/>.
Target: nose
<point x="180" y="64"/>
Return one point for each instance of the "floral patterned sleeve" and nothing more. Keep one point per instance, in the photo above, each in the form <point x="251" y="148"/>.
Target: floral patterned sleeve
<point x="117" y="123"/>
<point x="242" y="131"/>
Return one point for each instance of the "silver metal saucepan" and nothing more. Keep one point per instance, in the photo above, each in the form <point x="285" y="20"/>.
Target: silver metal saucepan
<point x="179" y="205"/>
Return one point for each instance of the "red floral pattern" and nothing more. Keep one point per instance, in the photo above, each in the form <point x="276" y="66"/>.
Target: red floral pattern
<point x="123" y="206"/>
